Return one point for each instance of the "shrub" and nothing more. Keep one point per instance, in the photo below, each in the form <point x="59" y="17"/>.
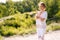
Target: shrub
<point x="18" y="24"/>
<point x="1" y="38"/>
<point x="8" y="30"/>
<point x="53" y="27"/>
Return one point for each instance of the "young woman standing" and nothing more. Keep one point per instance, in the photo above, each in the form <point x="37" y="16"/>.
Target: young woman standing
<point x="41" y="17"/>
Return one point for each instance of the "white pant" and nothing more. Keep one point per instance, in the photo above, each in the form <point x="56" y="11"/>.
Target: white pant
<point x="41" y="32"/>
<point x="41" y="28"/>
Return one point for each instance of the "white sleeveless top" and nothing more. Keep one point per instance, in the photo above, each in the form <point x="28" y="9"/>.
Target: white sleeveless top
<point x="43" y="15"/>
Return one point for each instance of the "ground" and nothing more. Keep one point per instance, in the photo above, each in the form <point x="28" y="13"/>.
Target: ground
<point x="55" y="35"/>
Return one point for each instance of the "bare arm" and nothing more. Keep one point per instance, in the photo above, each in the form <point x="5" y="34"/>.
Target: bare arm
<point x="44" y="16"/>
<point x="42" y="19"/>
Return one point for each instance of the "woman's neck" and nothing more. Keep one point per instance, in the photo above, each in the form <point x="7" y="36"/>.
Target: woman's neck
<point x="42" y="10"/>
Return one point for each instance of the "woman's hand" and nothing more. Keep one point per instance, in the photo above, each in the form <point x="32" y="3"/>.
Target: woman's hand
<point x="42" y="19"/>
<point x="37" y="16"/>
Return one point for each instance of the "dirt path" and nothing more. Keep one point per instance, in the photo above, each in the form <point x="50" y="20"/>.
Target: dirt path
<point x="49" y="36"/>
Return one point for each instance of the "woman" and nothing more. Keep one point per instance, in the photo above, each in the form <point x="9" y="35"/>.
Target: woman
<point x="41" y="17"/>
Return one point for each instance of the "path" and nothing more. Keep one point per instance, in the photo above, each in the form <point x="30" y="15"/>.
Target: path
<point x="49" y="36"/>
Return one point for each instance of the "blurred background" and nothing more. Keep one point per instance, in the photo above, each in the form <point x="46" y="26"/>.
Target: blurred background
<point x="17" y="17"/>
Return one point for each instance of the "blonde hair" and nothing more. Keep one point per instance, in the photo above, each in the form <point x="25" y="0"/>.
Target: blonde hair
<point x="41" y="3"/>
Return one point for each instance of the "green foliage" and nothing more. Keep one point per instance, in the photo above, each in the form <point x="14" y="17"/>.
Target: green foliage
<point x="3" y="10"/>
<point x="11" y="8"/>
<point x="1" y="38"/>
<point x="53" y="27"/>
<point x="22" y="21"/>
<point x="8" y="30"/>
<point x="16" y="24"/>
<point x="58" y="14"/>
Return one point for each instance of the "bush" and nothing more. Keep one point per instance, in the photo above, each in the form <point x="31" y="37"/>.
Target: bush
<point x="53" y="27"/>
<point x="8" y="30"/>
<point x="18" y="24"/>
<point x="1" y="38"/>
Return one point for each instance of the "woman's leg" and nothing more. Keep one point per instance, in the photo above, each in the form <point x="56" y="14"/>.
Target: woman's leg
<point x="39" y="38"/>
<point x="42" y="38"/>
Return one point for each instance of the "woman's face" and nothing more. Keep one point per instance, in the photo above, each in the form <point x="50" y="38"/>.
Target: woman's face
<point x="41" y="7"/>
